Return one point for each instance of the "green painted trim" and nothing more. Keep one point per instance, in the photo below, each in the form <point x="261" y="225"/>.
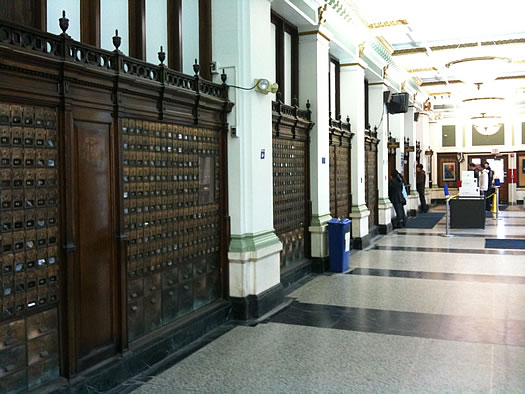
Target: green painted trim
<point x="320" y="220"/>
<point x="384" y="203"/>
<point x="359" y="208"/>
<point x="252" y="242"/>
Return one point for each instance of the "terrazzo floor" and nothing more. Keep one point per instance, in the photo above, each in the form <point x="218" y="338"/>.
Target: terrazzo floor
<point x="392" y="325"/>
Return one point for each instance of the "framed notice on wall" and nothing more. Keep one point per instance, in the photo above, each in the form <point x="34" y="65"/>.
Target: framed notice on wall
<point x="449" y="171"/>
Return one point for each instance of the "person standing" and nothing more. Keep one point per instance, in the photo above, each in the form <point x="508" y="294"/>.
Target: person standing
<point x="395" y="194"/>
<point x="490" y="187"/>
<point x="421" y="179"/>
<point x="484" y="185"/>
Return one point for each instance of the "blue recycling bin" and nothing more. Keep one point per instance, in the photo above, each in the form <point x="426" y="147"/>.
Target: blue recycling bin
<point x="339" y="243"/>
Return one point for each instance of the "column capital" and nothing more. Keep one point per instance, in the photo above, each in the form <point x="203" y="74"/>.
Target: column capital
<point x="352" y="65"/>
<point x="315" y="32"/>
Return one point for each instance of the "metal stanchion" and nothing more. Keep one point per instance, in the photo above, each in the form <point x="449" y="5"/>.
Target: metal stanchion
<point x="447" y="222"/>
<point x="497" y="203"/>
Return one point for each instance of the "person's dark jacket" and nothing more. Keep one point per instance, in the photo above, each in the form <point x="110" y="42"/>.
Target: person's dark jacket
<point x="491" y="179"/>
<point x="395" y="190"/>
<point x="420" y="180"/>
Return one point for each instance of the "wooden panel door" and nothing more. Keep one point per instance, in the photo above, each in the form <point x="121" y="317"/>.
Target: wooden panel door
<point x="500" y="165"/>
<point x="96" y="328"/>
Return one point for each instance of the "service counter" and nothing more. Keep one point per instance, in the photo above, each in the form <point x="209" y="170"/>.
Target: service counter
<point x="467" y="212"/>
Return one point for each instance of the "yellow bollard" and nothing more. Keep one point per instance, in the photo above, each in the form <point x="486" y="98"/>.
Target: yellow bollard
<point x="494" y="204"/>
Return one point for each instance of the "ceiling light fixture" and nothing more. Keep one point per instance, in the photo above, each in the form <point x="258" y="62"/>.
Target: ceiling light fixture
<point x="478" y="105"/>
<point x="486" y="125"/>
<point x="478" y="70"/>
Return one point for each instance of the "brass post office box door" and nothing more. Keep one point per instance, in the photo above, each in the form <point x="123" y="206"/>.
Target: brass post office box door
<point x="12" y="334"/>
<point x="12" y="360"/>
<point x="152" y="311"/>
<point x="170" y="305"/>
<point x="14" y="383"/>
<point x="42" y="348"/>
<point x="136" y="319"/>
<point x="41" y="324"/>
<point x="44" y="371"/>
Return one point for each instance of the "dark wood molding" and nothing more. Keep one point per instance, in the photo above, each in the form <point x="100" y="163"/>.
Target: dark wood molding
<point x="30" y="13"/>
<point x="175" y="34"/>
<point x="283" y="26"/>
<point x="205" y="38"/>
<point x="137" y="29"/>
<point x="337" y="86"/>
<point x="90" y="22"/>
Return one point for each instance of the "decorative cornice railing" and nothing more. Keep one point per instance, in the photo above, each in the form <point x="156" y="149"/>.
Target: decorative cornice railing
<point x="291" y="117"/>
<point x="340" y="130"/>
<point x="63" y="48"/>
<point x="371" y="135"/>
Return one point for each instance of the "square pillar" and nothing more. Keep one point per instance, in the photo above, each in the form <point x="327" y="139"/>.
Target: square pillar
<point x="352" y="80"/>
<point x="313" y="86"/>
<point x="379" y="118"/>
<point x="410" y="132"/>
<point x="242" y="31"/>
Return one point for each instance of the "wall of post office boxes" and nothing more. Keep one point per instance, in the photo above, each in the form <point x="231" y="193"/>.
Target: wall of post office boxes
<point x="171" y="178"/>
<point x="29" y="247"/>
<point x="289" y="197"/>
<point x="340" y="204"/>
<point x="371" y="190"/>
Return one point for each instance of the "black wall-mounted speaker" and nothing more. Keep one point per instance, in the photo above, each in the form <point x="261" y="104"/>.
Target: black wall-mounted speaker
<point x="398" y="104"/>
<point x="416" y="116"/>
<point x="387" y="96"/>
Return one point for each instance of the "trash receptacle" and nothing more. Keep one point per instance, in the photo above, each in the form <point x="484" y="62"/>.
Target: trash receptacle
<point x="339" y="243"/>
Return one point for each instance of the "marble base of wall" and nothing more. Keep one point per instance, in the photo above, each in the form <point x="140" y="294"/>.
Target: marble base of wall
<point x="254" y="268"/>
<point x="359" y="216"/>
<point x="412" y="203"/>
<point x="384" y="216"/>
<point x="319" y="235"/>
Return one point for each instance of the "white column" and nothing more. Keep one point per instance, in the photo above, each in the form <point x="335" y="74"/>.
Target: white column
<point x="313" y="86"/>
<point x="241" y="31"/>
<point x="352" y="80"/>
<point x="410" y="132"/>
<point x="423" y="128"/>
<point x="378" y="118"/>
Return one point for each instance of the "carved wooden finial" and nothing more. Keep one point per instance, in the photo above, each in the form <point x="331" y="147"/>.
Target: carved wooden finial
<point x="162" y="55"/>
<point x="196" y="67"/>
<point x="224" y="76"/>
<point x="63" y="22"/>
<point x="116" y="40"/>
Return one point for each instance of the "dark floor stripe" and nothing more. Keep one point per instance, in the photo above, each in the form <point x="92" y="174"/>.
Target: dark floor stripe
<point x="466" y="235"/>
<point x="492" y="225"/>
<point x="505" y="279"/>
<point x="411" y="324"/>
<point x="450" y="250"/>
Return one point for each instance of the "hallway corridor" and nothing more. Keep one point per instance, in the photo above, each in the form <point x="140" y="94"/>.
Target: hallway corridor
<point x="417" y="312"/>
